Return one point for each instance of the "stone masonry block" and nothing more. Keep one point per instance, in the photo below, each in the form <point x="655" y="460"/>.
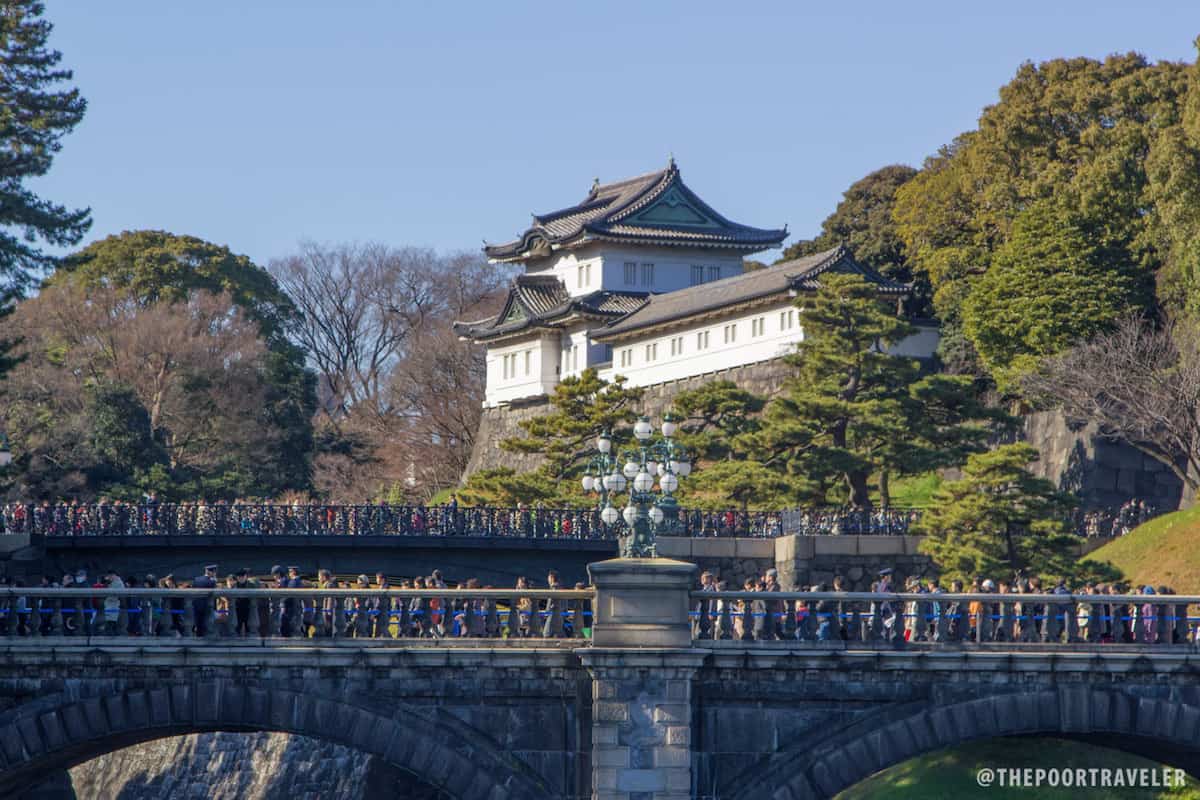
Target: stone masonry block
<point x="610" y="756"/>
<point x="608" y="711"/>
<point x="672" y="757"/>
<point x="672" y="714"/>
<point x="641" y="780"/>
<point x="679" y="735"/>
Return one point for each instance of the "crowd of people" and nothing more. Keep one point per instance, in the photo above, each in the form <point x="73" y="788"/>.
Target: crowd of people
<point x="1114" y="521"/>
<point x="1085" y="614"/>
<point x="221" y="518"/>
<point x="371" y="614"/>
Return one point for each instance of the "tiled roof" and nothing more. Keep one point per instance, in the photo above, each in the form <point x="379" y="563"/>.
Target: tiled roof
<point x="536" y="300"/>
<point x="800" y="274"/>
<point x="655" y="208"/>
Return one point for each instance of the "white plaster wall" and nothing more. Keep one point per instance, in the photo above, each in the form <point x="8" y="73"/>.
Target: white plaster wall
<point x="672" y="266"/>
<point x="774" y="341"/>
<point x="540" y="378"/>
<point x="746" y="349"/>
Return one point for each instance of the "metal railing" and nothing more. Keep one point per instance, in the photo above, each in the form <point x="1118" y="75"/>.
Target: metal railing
<point x="271" y="519"/>
<point x="907" y="619"/>
<point x="211" y="615"/>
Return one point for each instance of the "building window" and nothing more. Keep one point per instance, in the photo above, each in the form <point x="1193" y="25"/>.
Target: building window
<point x="714" y="273"/>
<point x="757" y="326"/>
<point x="528" y="360"/>
<point x="731" y="333"/>
<point x="787" y="319"/>
<point x="651" y="352"/>
<point x="626" y="356"/>
<point x="702" y="340"/>
<point x="579" y="279"/>
<point x="647" y="274"/>
<point x="607" y="353"/>
<point x="677" y="346"/>
<point x="697" y="276"/>
<point x="504" y="367"/>
<point x="630" y="273"/>
<point x="575" y="359"/>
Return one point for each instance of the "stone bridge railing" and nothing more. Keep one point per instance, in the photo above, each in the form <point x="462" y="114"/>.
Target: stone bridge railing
<point x="929" y="619"/>
<point x="222" y="616"/>
<point x="827" y="689"/>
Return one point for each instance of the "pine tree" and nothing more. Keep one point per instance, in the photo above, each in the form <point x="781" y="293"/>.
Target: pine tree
<point x="714" y="418"/>
<point x="846" y="398"/>
<point x="1000" y="519"/>
<point x="34" y="115"/>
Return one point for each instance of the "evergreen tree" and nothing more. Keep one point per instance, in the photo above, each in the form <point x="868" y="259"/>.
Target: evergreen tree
<point x="583" y="406"/>
<point x="714" y="418"/>
<point x="35" y="113"/>
<point x="1000" y="519"/>
<point x="863" y="222"/>
<point x="1052" y="283"/>
<point x="846" y="397"/>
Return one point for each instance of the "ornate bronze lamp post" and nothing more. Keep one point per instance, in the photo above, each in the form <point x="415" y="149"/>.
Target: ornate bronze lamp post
<point x="651" y="470"/>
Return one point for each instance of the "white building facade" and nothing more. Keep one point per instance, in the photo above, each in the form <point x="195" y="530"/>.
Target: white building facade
<point x="644" y="280"/>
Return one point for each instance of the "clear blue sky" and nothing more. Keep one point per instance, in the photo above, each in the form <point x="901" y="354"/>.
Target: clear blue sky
<point x="258" y="123"/>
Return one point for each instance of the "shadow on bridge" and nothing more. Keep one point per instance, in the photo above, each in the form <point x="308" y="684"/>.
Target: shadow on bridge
<point x="83" y="720"/>
<point x="830" y="760"/>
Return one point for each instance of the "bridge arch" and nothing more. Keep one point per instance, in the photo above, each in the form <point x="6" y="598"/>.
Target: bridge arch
<point x="1161" y="729"/>
<point x="57" y="731"/>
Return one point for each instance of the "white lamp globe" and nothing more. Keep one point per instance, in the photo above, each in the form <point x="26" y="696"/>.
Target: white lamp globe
<point x="683" y="469"/>
<point x="661" y="468"/>
<point x="652" y="467"/>
<point x="631" y="469"/>
<point x="642" y="430"/>
<point x="668" y="428"/>
<point x="656" y="515"/>
<point x="630" y="514"/>
<point x="603" y="444"/>
<point x="609" y="480"/>
<point x="618" y="482"/>
<point x="609" y="515"/>
<point x="588" y="482"/>
<point x="668" y="482"/>
<point x="643" y="482"/>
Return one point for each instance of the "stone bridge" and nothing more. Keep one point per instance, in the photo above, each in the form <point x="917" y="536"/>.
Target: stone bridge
<point x="643" y="710"/>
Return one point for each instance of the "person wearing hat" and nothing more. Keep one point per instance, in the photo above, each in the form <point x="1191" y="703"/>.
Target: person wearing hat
<point x="202" y="605"/>
<point x="243" y="605"/>
<point x="291" y="606"/>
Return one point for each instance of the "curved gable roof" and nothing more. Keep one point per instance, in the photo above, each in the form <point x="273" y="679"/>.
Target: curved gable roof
<point x="657" y="208"/>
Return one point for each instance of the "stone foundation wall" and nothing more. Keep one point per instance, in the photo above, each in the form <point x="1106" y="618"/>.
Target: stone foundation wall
<point x="497" y="424"/>
<point x="1100" y="471"/>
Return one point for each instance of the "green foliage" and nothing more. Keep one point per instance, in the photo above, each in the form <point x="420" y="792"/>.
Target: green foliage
<point x="1110" y="142"/>
<point x="583" y="407"/>
<point x="714" y="418"/>
<point x="507" y="488"/>
<point x="1050" y="284"/>
<point x="852" y="410"/>
<point x="1000" y="519"/>
<point x="863" y="222"/>
<point x="156" y="266"/>
<point x="35" y="113"/>
<point x="121" y="435"/>
<point x="749" y="484"/>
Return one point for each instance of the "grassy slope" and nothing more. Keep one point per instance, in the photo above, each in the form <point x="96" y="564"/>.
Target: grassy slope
<point x="950" y="774"/>
<point x="1164" y="551"/>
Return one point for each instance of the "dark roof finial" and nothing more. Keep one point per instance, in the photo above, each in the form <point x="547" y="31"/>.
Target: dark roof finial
<point x="595" y="184"/>
<point x="670" y="161"/>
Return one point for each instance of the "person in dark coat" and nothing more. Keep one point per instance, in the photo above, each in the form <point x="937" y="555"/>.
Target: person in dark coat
<point x="202" y="605"/>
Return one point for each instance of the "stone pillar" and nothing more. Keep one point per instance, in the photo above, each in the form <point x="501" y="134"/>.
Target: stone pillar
<point x="642" y="664"/>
